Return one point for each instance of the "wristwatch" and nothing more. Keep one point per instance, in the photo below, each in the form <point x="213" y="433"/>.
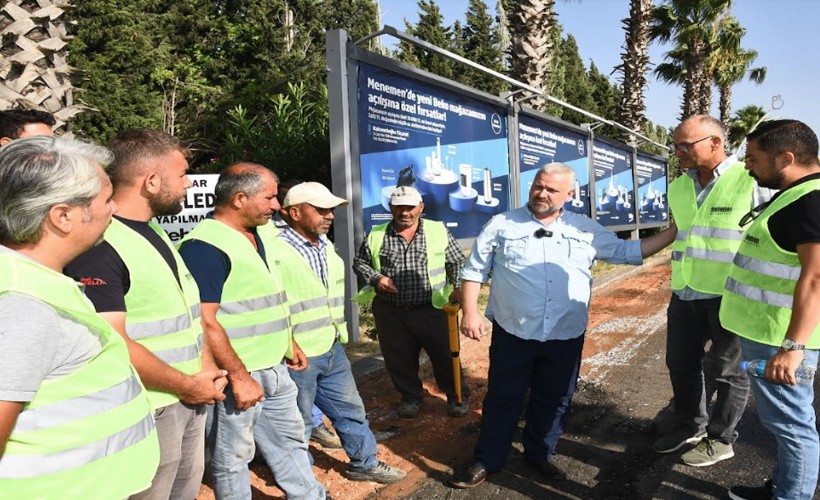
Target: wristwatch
<point x="791" y="345"/>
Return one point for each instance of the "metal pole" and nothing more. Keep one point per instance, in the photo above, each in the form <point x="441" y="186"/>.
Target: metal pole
<point x="389" y="30"/>
<point x="340" y="158"/>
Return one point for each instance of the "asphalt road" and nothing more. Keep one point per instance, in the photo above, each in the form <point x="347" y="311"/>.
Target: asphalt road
<point x="617" y="411"/>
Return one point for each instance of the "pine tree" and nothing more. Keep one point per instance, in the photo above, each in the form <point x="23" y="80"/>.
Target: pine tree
<point x="578" y="90"/>
<point x="480" y="46"/>
<point x="431" y="29"/>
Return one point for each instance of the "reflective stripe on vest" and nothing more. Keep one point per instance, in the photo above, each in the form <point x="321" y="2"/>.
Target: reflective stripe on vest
<point x="317" y="313"/>
<point x="708" y="236"/>
<point x="90" y="430"/>
<point x="759" y="296"/>
<point x="436" y="241"/>
<point x="162" y="314"/>
<point x="254" y="307"/>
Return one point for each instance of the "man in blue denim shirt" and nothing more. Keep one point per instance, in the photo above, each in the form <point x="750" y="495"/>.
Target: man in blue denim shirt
<point x="540" y="257"/>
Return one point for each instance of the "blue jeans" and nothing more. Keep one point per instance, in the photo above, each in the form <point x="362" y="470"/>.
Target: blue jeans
<point x="276" y="427"/>
<point x="316" y="416"/>
<point x="787" y="412"/>
<point x="549" y="370"/>
<point x="328" y="382"/>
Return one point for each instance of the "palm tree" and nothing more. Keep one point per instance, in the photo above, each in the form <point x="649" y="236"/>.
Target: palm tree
<point x="33" y="69"/>
<point x="635" y="60"/>
<point x="531" y="59"/>
<point x="730" y="63"/>
<point x="692" y="26"/>
<point x="744" y="121"/>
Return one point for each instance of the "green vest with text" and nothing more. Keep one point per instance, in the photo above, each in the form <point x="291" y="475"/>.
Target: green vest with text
<point x="88" y="434"/>
<point x="160" y="314"/>
<point x="709" y="235"/>
<point x="254" y="306"/>
<point x="317" y="314"/>
<point x="757" y="302"/>
<point x="435" y="235"/>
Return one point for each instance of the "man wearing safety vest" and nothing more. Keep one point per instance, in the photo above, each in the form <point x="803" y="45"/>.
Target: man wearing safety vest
<point x="411" y="266"/>
<point x="139" y="284"/>
<point x="707" y="202"/>
<point x="315" y="276"/>
<point x="772" y="301"/>
<point x="233" y="259"/>
<point x="75" y="421"/>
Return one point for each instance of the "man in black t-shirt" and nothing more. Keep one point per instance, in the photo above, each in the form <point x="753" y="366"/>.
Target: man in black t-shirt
<point x="140" y="285"/>
<point x="772" y="302"/>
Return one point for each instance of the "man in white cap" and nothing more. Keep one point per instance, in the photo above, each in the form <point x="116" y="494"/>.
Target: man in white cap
<point x="314" y="276"/>
<point x="412" y="265"/>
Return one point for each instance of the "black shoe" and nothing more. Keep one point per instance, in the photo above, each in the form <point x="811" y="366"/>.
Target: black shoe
<point x="409" y="409"/>
<point x="548" y="470"/>
<point x="751" y="493"/>
<point x="458" y="410"/>
<point x="470" y="477"/>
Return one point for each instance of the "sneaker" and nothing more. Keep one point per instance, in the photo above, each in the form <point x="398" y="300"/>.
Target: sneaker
<point x="457" y="410"/>
<point x="751" y="493"/>
<point x="380" y="473"/>
<point x="325" y="437"/>
<point x="409" y="409"/>
<point x="677" y="438"/>
<point x="707" y="452"/>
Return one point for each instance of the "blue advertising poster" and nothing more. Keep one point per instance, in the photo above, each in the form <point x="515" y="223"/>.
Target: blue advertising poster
<point x="614" y="186"/>
<point x="651" y="173"/>
<point x="452" y="148"/>
<point x="540" y="143"/>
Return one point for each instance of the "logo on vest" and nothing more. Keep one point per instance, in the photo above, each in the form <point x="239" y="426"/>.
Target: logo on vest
<point x="751" y="240"/>
<point x="89" y="281"/>
<point x="721" y="210"/>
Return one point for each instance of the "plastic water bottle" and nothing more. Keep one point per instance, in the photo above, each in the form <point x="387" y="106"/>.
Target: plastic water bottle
<point x="804" y="373"/>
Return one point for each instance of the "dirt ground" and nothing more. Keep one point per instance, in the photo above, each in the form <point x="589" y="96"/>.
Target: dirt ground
<point x="624" y="312"/>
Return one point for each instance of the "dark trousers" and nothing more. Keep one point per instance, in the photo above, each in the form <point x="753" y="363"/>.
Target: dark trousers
<point x="403" y="333"/>
<point x="690" y="325"/>
<point x="549" y="370"/>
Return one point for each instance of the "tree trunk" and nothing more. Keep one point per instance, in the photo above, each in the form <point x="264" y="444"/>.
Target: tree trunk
<point x="532" y="51"/>
<point x="725" y="106"/>
<point x="33" y="69"/>
<point x="635" y="60"/>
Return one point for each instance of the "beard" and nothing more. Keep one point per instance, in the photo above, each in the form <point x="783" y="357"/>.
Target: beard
<point x="547" y="210"/>
<point x="164" y="203"/>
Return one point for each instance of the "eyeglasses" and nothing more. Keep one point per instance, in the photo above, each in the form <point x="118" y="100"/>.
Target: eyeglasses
<point x="753" y="214"/>
<point x="684" y="147"/>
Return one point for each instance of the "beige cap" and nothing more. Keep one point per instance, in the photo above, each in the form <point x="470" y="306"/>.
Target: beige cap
<point x="405" y="196"/>
<point x="314" y="194"/>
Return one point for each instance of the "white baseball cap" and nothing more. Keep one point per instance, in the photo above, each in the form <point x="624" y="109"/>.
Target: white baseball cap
<point x="405" y="196"/>
<point x="314" y="194"/>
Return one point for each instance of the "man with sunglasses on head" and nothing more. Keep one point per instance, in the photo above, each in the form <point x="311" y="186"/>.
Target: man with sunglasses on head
<point x="707" y="202"/>
<point x="772" y="302"/>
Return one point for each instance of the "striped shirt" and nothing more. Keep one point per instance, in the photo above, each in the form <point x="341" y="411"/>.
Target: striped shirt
<point x="406" y="264"/>
<point x="316" y="256"/>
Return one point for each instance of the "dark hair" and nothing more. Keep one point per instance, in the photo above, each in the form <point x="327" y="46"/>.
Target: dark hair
<point x="132" y="147"/>
<point x="284" y="187"/>
<point x="779" y="136"/>
<point x="242" y="177"/>
<point x="13" y="121"/>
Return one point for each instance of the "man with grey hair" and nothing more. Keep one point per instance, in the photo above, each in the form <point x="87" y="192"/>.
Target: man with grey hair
<point x="245" y="319"/>
<point x="74" y="419"/>
<point x="707" y="202"/>
<point x="540" y="257"/>
<point x="139" y="284"/>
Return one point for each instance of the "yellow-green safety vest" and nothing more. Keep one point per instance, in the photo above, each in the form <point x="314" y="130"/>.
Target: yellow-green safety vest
<point x="757" y="302"/>
<point x="317" y="313"/>
<point x="254" y="306"/>
<point x="709" y="235"/>
<point x="88" y="434"/>
<point x="435" y="235"/>
<point x="160" y="314"/>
